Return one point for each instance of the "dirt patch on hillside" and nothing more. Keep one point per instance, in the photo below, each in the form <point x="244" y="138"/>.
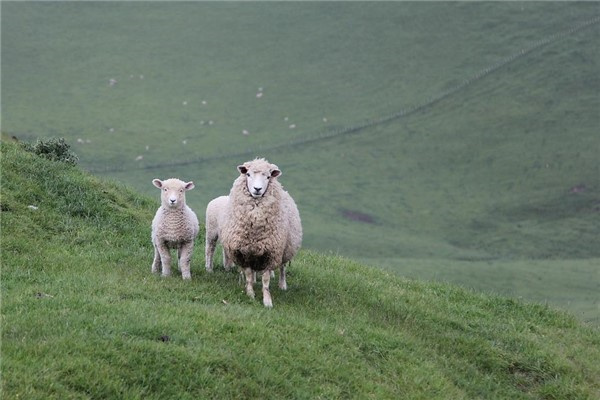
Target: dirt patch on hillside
<point x="578" y="188"/>
<point x="358" y="216"/>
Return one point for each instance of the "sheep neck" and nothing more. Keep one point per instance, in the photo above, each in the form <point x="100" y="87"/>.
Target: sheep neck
<point x="174" y="211"/>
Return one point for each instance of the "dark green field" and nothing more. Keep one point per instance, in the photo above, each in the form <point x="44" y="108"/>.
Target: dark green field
<point x="450" y="141"/>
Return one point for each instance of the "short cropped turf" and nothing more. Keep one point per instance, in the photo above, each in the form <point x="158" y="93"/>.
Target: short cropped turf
<point x="83" y="316"/>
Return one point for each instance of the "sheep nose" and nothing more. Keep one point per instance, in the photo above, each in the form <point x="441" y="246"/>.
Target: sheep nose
<point x="172" y="200"/>
<point x="257" y="189"/>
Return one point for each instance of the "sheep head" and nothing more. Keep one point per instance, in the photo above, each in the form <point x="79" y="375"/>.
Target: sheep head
<point x="173" y="191"/>
<point x="258" y="174"/>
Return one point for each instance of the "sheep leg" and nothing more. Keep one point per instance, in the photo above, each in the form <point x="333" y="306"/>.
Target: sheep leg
<point x="211" y="244"/>
<point x="165" y="258"/>
<point x="249" y="281"/>
<point x="156" y="264"/>
<point x="262" y="272"/>
<point x="227" y="263"/>
<point x="185" y="258"/>
<point x="282" y="282"/>
<point x="266" y="278"/>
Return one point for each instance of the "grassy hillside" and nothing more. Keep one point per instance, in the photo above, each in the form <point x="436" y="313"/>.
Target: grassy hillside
<point x="495" y="186"/>
<point x="82" y="313"/>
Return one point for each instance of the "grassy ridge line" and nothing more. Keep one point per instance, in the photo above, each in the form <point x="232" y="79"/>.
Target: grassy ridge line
<point x="564" y="284"/>
<point x="382" y="120"/>
<point x="83" y="315"/>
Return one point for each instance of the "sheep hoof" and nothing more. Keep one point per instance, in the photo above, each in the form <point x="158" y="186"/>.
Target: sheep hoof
<point x="267" y="298"/>
<point x="187" y="277"/>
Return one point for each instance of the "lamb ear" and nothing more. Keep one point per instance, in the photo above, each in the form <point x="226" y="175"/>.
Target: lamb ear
<point x="190" y="185"/>
<point x="242" y="168"/>
<point x="157" y="182"/>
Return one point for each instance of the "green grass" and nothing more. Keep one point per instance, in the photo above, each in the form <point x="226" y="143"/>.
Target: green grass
<point x="568" y="284"/>
<point x="83" y="317"/>
<point x="469" y="161"/>
<point x="474" y="189"/>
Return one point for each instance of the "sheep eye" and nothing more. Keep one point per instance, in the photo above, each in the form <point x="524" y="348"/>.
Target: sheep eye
<point x="180" y="190"/>
<point x="248" y="174"/>
<point x="165" y="189"/>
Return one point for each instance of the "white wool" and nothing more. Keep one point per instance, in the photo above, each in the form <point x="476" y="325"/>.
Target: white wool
<point x="260" y="227"/>
<point x="215" y="221"/>
<point x="175" y="226"/>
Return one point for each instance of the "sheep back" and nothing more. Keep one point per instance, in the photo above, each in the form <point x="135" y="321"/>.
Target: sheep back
<point x="216" y="215"/>
<point x="294" y="227"/>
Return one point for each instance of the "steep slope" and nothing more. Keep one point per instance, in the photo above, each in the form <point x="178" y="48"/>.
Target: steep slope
<point x="82" y="317"/>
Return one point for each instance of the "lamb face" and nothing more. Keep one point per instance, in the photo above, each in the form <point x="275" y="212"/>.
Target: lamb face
<point x="258" y="176"/>
<point x="173" y="192"/>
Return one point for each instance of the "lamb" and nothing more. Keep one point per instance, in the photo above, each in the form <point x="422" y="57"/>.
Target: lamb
<point x="215" y="220"/>
<point x="175" y="226"/>
<point x="261" y="226"/>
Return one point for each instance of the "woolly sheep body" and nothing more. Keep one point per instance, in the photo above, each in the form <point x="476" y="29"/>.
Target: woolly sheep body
<point x="175" y="226"/>
<point x="216" y="212"/>
<point x="215" y="221"/>
<point x="262" y="229"/>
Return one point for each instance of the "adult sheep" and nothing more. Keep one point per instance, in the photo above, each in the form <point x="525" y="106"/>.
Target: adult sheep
<point x="175" y="226"/>
<point x="261" y="228"/>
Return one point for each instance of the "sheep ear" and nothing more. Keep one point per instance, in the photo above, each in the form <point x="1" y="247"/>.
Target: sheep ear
<point x="157" y="182"/>
<point x="242" y="168"/>
<point x="276" y="172"/>
<point x="190" y="185"/>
